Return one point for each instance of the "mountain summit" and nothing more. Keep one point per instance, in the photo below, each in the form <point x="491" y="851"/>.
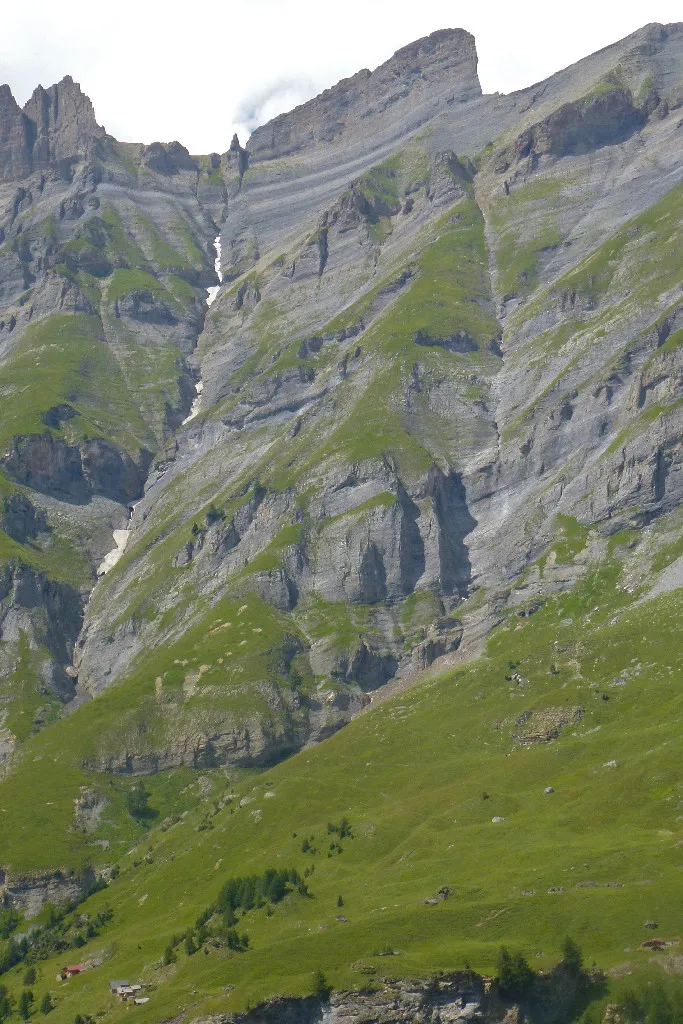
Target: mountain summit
<point x="57" y="124"/>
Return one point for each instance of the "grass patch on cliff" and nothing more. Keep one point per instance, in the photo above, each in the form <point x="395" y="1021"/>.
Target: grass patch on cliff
<point x="639" y="262"/>
<point x="63" y="360"/>
<point x="183" y="255"/>
<point x="451" y="292"/>
<point x="342" y="626"/>
<point x="124" y="282"/>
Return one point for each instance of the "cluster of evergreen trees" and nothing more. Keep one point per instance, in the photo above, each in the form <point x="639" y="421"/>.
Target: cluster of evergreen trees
<point x="237" y="896"/>
<point x="515" y="976"/>
<point x="24" y="1004"/>
<point x="342" y="830"/>
<point x="62" y="930"/>
<point x="9" y="921"/>
<point x="257" y="890"/>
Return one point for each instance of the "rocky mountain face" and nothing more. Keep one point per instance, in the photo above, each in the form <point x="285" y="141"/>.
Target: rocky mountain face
<point x="457" y="996"/>
<point x="448" y="324"/>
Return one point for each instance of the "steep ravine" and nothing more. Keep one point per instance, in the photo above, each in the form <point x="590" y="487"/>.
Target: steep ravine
<point x="121" y="536"/>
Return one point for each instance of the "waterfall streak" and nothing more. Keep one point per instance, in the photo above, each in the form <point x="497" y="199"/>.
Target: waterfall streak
<point x="211" y="294"/>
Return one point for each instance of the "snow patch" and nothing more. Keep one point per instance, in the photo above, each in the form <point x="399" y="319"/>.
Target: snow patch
<point x="212" y="292"/>
<point x="120" y="541"/>
<point x="110" y="560"/>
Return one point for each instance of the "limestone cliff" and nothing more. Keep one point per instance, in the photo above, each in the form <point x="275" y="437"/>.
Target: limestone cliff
<point x="446" y="320"/>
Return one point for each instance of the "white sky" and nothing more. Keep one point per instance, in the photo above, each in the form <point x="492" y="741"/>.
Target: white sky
<point x="163" y="70"/>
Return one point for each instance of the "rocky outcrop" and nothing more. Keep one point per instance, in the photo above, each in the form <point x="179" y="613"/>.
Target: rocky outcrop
<point x="144" y="306"/>
<point x="603" y="118"/>
<point x="47" y="615"/>
<point x="28" y="893"/>
<point x="20" y="519"/>
<point x="57" y="128"/>
<point x="15" y="139"/>
<point x="452" y="997"/>
<point x="202" y="739"/>
<point x="167" y="159"/>
<point x="75" y="472"/>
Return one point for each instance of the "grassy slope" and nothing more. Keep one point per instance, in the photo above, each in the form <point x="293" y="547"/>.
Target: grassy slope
<point x="411" y="776"/>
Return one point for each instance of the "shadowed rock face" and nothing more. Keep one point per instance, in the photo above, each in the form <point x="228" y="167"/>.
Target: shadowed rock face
<point x="76" y="472"/>
<point x="20" y="519"/>
<point x="15" y="138"/>
<point x="44" y="616"/>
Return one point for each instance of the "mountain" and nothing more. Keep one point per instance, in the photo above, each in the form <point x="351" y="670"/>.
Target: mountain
<point x="411" y="477"/>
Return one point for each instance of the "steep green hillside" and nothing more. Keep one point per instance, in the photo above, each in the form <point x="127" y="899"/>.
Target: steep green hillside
<point x="444" y="785"/>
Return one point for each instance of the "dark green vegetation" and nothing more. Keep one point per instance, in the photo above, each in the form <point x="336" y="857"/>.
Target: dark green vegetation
<point x="62" y="928"/>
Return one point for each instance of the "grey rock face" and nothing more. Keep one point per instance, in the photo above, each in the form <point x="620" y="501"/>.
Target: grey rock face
<point x="456" y="996"/>
<point x="29" y="893"/>
<point x="56" y="127"/>
<point x="400" y="89"/>
<point x="41" y="616"/>
<point x="322" y="250"/>
<point x="167" y="159"/>
<point x="108" y="271"/>
<point x="420" y="353"/>
<point x="15" y="138"/>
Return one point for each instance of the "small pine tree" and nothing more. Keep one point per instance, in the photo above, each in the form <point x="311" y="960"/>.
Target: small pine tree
<point x="170" y="955"/>
<point x="340" y="901"/>
<point x="46" y="1004"/>
<point x="321" y="988"/>
<point x="30" y="975"/>
<point x="190" y="947"/>
<point x="137" y="802"/>
<point x="25" y="1000"/>
<point x="515" y="977"/>
<point x="571" y="954"/>
<point x="6" y="1003"/>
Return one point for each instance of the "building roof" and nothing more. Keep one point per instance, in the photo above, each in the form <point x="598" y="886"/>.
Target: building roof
<point x="113" y="985"/>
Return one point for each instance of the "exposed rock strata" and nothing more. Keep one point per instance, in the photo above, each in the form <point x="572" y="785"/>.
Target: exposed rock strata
<point x="456" y="996"/>
<point x="410" y="367"/>
<point x="28" y="893"/>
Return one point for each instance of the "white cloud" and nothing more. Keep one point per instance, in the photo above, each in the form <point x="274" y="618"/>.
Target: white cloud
<point x="159" y="69"/>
